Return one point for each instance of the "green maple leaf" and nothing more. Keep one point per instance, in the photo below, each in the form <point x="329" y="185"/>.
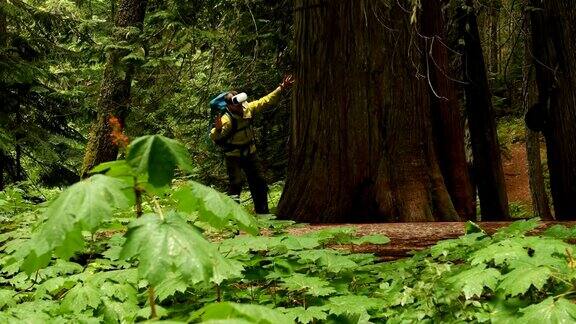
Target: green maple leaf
<point x="560" y="232"/>
<point x="170" y="286"/>
<point x="500" y="252"/>
<point x="353" y="304"/>
<point x="519" y="280"/>
<point x="6" y="297"/>
<point x="81" y="207"/>
<point x="170" y="245"/>
<point x="518" y="228"/>
<point x="241" y="245"/>
<point x="472" y="281"/>
<point x="242" y="312"/>
<point x="81" y="297"/>
<point x="330" y="260"/>
<point x="157" y="156"/>
<point x="547" y="247"/>
<point x="310" y="285"/>
<point x="549" y="311"/>
<point x="306" y="315"/>
<point x="116" y="312"/>
<point x="213" y="207"/>
<point x="120" y="292"/>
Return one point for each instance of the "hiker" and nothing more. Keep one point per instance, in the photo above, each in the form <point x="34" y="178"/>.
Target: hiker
<point x="233" y="132"/>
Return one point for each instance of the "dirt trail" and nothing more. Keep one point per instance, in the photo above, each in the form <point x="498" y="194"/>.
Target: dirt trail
<point x="516" y="175"/>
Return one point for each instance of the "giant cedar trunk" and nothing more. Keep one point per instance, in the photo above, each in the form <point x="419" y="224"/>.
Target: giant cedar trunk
<point x="114" y="98"/>
<point x="447" y="122"/>
<point x="488" y="172"/>
<point x="361" y="146"/>
<point x="554" y="50"/>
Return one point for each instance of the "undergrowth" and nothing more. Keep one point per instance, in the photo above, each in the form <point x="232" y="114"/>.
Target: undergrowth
<point x="127" y="245"/>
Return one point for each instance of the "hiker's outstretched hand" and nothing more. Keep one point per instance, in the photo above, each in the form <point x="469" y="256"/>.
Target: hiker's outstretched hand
<point x="287" y="81"/>
<point x="218" y="122"/>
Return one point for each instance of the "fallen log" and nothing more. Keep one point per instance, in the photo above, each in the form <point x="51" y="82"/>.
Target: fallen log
<point x="407" y="237"/>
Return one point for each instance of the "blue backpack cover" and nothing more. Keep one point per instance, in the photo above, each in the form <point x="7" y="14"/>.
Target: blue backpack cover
<point x="217" y="106"/>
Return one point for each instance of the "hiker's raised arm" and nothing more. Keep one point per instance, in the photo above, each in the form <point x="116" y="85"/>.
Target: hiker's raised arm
<point x="273" y="97"/>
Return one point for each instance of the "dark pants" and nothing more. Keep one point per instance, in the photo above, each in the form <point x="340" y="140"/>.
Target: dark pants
<point x="255" y="175"/>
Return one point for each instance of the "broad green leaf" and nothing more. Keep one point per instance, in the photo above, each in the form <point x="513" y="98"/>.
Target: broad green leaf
<point x="243" y="244"/>
<point x="500" y="252"/>
<point x="80" y="298"/>
<point x="116" y="312"/>
<point x="306" y="315"/>
<point x="170" y="245"/>
<point x="157" y="156"/>
<point x="353" y="304"/>
<point x="170" y="286"/>
<point x="6" y="297"/>
<point x="330" y="260"/>
<point x="120" y="292"/>
<point x="518" y="228"/>
<point x="560" y="232"/>
<point x="213" y="207"/>
<point x="472" y="281"/>
<point x="549" y="311"/>
<point x="295" y="243"/>
<point x="310" y="285"/>
<point x="519" y="280"/>
<point x="250" y="313"/>
<point x="81" y="207"/>
<point x="117" y="169"/>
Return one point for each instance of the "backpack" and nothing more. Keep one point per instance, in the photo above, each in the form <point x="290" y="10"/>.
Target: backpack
<point x="218" y="107"/>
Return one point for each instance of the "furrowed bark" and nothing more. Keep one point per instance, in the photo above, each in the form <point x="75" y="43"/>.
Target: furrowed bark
<point x="361" y="147"/>
<point x="554" y="51"/>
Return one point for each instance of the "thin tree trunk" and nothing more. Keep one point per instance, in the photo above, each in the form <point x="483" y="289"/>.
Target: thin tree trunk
<point x="488" y="172"/>
<point x="114" y="98"/>
<point x="540" y="203"/>
<point x="554" y="50"/>
<point x="447" y="122"/>
<point x="361" y="147"/>
<point x="494" y="46"/>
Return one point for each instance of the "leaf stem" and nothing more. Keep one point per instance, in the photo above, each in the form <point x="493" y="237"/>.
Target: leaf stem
<point x="138" y="193"/>
<point x="152" y="301"/>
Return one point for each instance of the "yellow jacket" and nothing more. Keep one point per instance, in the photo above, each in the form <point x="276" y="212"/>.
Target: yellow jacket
<point x="244" y="135"/>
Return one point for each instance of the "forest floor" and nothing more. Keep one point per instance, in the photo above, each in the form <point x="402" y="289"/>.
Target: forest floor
<point x="407" y="237"/>
<point x="516" y="175"/>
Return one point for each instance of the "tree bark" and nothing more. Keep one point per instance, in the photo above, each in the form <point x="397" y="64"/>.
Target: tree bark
<point x="447" y="121"/>
<point x="554" y="50"/>
<point x="488" y="172"/>
<point x="360" y="146"/>
<point x="114" y="98"/>
<point x="540" y="202"/>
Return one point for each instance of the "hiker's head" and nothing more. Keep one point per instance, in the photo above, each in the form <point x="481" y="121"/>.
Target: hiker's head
<point x="235" y="102"/>
<point x="234" y="108"/>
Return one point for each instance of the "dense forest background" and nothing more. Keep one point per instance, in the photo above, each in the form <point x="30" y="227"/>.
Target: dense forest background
<point x="53" y="62"/>
<point x="406" y="111"/>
